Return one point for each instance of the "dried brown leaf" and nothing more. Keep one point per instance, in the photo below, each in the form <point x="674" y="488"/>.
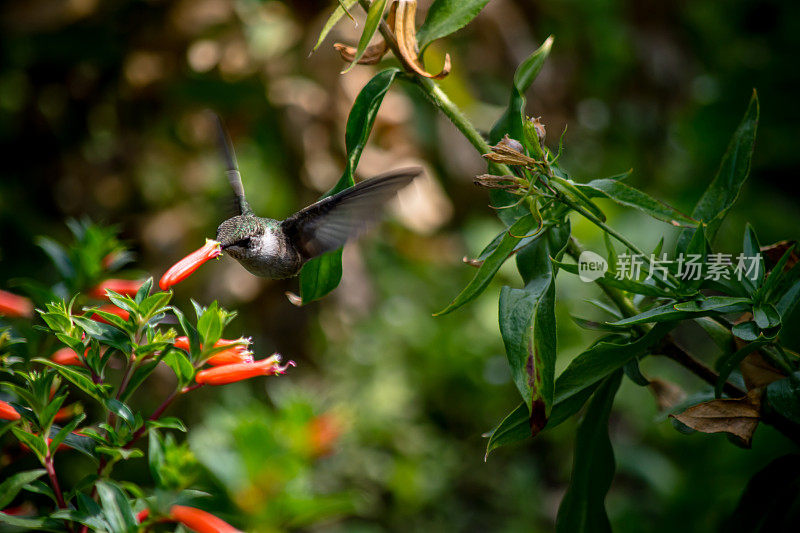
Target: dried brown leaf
<point x="736" y="416"/>
<point x="405" y="31"/>
<point x="757" y="371"/>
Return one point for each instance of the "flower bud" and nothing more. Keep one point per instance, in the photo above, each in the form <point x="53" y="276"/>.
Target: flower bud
<point x="126" y="287"/>
<point x="7" y="412"/>
<point x="513" y="144"/>
<point x="186" y="266"/>
<point x="223" y="375"/>
<point x="199" y="520"/>
<point x="12" y="305"/>
<point x="534" y="136"/>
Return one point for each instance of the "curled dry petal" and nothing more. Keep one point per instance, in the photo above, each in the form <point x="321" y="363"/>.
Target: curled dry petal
<point x="7" y="412"/>
<point x="737" y="416"/>
<point x="184" y="268"/>
<point x="199" y="520"/>
<point x="372" y="55"/>
<point x="223" y="375"/>
<point x="13" y="305"/>
<point x="126" y="287"/>
<point x="405" y="32"/>
<point x="67" y="357"/>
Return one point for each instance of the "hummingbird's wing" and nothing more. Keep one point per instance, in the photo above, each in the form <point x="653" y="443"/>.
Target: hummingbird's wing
<point x="232" y="168"/>
<point x="327" y="224"/>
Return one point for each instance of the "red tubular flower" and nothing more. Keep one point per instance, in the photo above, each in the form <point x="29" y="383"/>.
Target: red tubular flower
<point x="199" y="520"/>
<point x="222" y="375"/>
<point x="113" y="309"/>
<point x="184" y="268"/>
<point x="237" y="353"/>
<point x="143" y="515"/>
<point x="126" y="287"/>
<point x="13" y="305"/>
<point x="7" y="412"/>
<point x="67" y="357"/>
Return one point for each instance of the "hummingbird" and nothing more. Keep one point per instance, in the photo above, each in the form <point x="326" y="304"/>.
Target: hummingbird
<point x="277" y="249"/>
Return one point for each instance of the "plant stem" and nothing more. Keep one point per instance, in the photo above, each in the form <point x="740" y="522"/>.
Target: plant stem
<point x="51" y="473"/>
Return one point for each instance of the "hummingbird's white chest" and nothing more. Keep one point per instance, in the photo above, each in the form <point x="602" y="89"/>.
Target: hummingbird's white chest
<point x="268" y="255"/>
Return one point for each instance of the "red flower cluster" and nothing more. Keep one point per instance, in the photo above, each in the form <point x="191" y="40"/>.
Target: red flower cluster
<point x="67" y="357"/>
<point x="184" y="268"/>
<point x="126" y="287"/>
<point x="16" y="306"/>
<point x="223" y="375"/>
<point x="193" y="518"/>
<point x="7" y="412"/>
<point x="237" y="353"/>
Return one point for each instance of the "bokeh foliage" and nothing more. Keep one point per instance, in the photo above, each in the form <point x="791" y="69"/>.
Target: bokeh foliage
<point x="102" y="108"/>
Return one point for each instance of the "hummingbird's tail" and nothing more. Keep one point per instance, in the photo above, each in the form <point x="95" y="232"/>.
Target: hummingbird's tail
<point x="232" y="168"/>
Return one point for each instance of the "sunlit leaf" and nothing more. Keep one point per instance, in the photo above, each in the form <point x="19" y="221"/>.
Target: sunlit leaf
<point x="446" y="17"/>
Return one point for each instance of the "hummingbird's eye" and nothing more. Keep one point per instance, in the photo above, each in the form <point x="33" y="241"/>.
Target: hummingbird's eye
<point x="244" y="243"/>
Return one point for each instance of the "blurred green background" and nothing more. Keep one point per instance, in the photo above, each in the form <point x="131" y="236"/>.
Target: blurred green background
<point x="102" y="114"/>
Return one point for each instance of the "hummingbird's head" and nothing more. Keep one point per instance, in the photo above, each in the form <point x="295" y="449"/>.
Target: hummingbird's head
<point x="239" y="233"/>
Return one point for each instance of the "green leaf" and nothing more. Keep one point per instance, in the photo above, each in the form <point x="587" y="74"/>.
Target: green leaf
<point x="137" y="378"/>
<point x="446" y="17"/>
<point x="11" y="486"/>
<point x="784" y="397"/>
<point x="338" y="13"/>
<point x="603" y="358"/>
<point x="568" y="188"/>
<point x="609" y="279"/>
<point x="766" y="316"/>
<point x="492" y="264"/>
<point x="789" y="300"/>
<point x="514" y="427"/>
<point x="64" y="431"/>
<point x="34" y="442"/>
<point x="144" y="290"/>
<point x="583" y="506"/>
<point x="167" y="422"/>
<point x="747" y="331"/>
<point x="78" y="377"/>
<point x="728" y="362"/>
<point x="181" y="365"/>
<point x="751" y="248"/>
<point x="121" y="410"/>
<point x="209" y="325"/>
<point x="714" y="303"/>
<point x="724" y="189"/>
<point x="322" y="274"/>
<point x="628" y="196"/>
<point x="105" y="333"/>
<point x="778" y="277"/>
<point x="528" y="328"/>
<point x="116" y="507"/>
<point x="374" y="17"/>
<point x="58" y="256"/>
<point x="189" y="330"/>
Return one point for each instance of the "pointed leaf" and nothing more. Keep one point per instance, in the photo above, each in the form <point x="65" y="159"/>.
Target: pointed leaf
<point x="583" y="506"/>
<point x="733" y="171"/>
<point x="626" y="195"/>
<point x="374" y="18"/>
<point x="446" y="17"/>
